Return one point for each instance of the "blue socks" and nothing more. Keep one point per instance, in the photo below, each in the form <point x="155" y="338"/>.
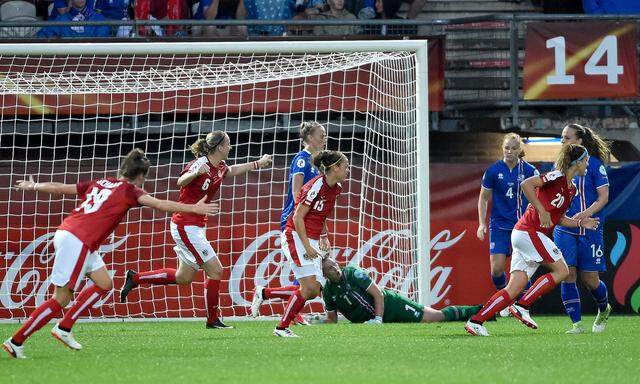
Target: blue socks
<point x="499" y="281"/>
<point x="600" y="295"/>
<point x="571" y="300"/>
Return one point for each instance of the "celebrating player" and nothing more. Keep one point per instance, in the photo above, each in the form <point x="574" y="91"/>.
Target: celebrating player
<point x="301" y="237"/>
<point x="105" y="203"/>
<point x="201" y="178"/>
<point x="351" y="292"/>
<point x="583" y="249"/>
<point x="314" y="137"/>
<point x="531" y="244"/>
<point x="501" y="186"/>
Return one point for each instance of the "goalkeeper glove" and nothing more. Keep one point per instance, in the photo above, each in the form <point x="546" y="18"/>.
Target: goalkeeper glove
<point x="375" y="320"/>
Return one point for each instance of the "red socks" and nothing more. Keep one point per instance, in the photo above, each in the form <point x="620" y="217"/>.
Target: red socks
<point x="212" y="295"/>
<point x="284" y="293"/>
<point x="542" y="286"/>
<point x="48" y="310"/>
<point x="86" y="299"/>
<point x="499" y="301"/>
<point x="295" y="304"/>
<point x="159" y="276"/>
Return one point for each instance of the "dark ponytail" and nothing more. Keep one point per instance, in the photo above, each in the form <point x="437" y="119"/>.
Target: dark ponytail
<point x="596" y="146"/>
<point x="134" y="164"/>
<point x="202" y="147"/>
<point x="324" y="160"/>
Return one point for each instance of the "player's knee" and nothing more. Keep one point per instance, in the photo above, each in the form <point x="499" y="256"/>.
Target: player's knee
<point x="310" y="292"/>
<point x="572" y="276"/>
<point x="183" y="280"/>
<point x="63" y="295"/>
<point x="106" y="285"/>
<point x="590" y="279"/>
<point x="562" y="272"/>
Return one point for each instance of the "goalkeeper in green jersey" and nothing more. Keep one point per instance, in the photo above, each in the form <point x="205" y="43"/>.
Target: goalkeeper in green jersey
<point x="351" y="292"/>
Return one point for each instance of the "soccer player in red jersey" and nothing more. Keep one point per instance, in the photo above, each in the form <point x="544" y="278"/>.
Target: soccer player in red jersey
<point x="301" y="236"/>
<point x="550" y="197"/>
<point x="200" y="179"/>
<point x="105" y="203"/>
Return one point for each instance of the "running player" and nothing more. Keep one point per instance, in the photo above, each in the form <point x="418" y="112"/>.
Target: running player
<point x="530" y="239"/>
<point x="584" y="249"/>
<point x="105" y="203"/>
<point x="301" y="237"/>
<point x="351" y="292"/>
<point x="301" y="171"/>
<point x="501" y="187"/>
<point x="201" y="178"/>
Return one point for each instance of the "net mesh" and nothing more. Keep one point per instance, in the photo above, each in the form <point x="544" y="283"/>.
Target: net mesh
<point x="68" y="119"/>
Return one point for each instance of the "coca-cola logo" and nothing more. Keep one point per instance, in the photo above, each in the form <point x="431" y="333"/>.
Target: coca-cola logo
<point x="20" y="284"/>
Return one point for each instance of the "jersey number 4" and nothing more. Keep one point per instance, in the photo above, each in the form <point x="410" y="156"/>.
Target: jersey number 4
<point x="558" y="201"/>
<point x="510" y="192"/>
<point x="94" y="200"/>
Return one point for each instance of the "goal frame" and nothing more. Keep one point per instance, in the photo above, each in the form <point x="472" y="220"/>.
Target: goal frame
<point x="418" y="46"/>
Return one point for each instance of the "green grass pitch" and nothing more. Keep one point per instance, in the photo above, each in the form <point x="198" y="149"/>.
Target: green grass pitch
<point x="186" y="352"/>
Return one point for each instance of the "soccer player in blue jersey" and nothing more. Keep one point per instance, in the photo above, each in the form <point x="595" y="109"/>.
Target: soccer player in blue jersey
<point x="584" y="249"/>
<point x="501" y="187"/>
<point x="314" y="138"/>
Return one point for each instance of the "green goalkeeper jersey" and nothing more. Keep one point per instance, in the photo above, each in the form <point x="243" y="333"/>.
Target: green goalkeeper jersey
<point x="349" y="296"/>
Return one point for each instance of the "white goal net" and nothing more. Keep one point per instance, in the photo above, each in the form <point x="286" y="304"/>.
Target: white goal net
<point x="71" y="117"/>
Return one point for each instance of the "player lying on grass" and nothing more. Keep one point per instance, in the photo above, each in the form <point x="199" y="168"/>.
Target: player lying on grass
<point x="351" y="292"/>
<point x="550" y="196"/>
<point x="105" y="203"/>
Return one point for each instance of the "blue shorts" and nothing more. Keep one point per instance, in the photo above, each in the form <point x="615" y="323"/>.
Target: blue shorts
<point x="586" y="253"/>
<point x="499" y="241"/>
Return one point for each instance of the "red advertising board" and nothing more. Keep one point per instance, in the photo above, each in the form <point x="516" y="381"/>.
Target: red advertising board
<point x="577" y="60"/>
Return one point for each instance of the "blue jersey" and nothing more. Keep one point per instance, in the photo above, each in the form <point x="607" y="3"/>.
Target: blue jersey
<point x="587" y="194"/>
<point x="301" y="165"/>
<point x="508" y="201"/>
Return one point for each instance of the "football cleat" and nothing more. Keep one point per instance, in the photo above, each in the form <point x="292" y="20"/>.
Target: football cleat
<point x="300" y="320"/>
<point x="17" y="352"/>
<point x="476" y="329"/>
<point x="601" y="320"/>
<point x="65" y="338"/>
<point x="576" y="329"/>
<point x="284" y="333"/>
<point x="522" y="314"/>
<point x="128" y="285"/>
<point x="218" y="324"/>
<point x="257" y="301"/>
<point x="505" y="312"/>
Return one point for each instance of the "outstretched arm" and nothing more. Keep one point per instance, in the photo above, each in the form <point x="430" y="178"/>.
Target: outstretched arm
<point x="241" y="169"/>
<point x="378" y="300"/>
<point x="199" y="208"/>
<point x="49" y="187"/>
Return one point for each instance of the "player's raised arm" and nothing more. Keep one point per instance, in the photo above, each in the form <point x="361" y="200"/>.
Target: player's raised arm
<point x="199" y="208"/>
<point x="48" y="187"/>
<point x="241" y="169"/>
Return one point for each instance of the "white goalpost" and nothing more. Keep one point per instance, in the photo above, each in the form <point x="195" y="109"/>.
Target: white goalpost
<point x="70" y="112"/>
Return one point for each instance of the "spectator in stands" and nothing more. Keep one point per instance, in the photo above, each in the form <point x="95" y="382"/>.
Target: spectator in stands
<point x="78" y="10"/>
<point x="611" y="7"/>
<point x="266" y="10"/>
<point x="217" y="10"/>
<point x="336" y="12"/>
<point x="109" y="9"/>
<point x="388" y="9"/>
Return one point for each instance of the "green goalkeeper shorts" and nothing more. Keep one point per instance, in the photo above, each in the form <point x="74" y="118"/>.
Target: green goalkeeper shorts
<point x="399" y="309"/>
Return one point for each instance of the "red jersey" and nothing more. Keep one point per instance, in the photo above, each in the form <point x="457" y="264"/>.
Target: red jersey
<point x="105" y="203"/>
<point x="318" y="195"/>
<point x="206" y="184"/>
<point x="555" y="195"/>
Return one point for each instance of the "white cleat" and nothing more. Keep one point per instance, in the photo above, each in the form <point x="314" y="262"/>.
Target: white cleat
<point x="576" y="329"/>
<point x="601" y="320"/>
<point x="66" y="338"/>
<point x="17" y="352"/>
<point x="476" y="329"/>
<point x="284" y="333"/>
<point x="523" y="315"/>
<point x="505" y="312"/>
<point x="257" y="301"/>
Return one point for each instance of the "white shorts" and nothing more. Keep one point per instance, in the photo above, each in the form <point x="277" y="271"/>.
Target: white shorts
<point x="72" y="261"/>
<point x="294" y="251"/>
<point x="530" y="249"/>
<point x="192" y="245"/>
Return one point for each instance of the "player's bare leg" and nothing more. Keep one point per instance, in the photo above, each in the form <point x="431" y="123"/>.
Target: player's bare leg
<point x="213" y="270"/>
<point x="85" y="300"/>
<point x="309" y="289"/>
<point x="498" y="263"/>
<point x="599" y="292"/>
<point x="542" y="286"/>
